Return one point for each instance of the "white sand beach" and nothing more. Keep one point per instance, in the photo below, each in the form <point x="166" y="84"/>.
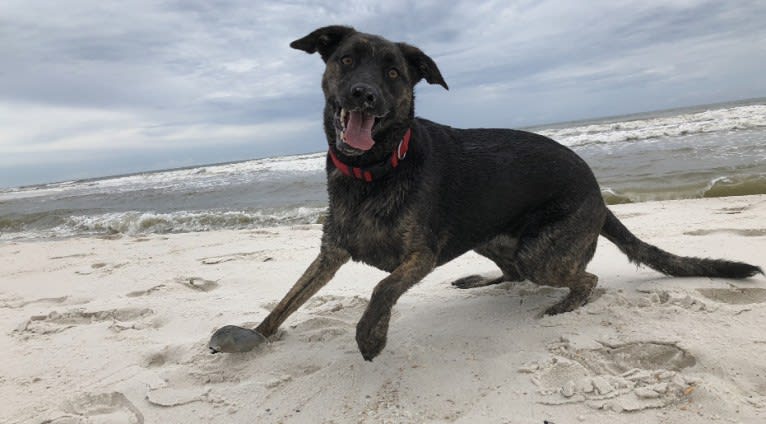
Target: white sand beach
<point x="98" y="330"/>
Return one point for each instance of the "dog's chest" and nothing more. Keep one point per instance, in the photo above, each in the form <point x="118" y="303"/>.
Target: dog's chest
<point x="371" y="229"/>
<point x="373" y="245"/>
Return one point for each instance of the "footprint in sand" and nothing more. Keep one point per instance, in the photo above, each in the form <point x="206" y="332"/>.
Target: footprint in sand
<point x="101" y="267"/>
<point x="56" y="322"/>
<point x="169" y="396"/>
<point x="151" y="290"/>
<point x="618" y="359"/>
<point x="651" y="297"/>
<point x="17" y="302"/>
<point x="627" y="377"/>
<point x="112" y="407"/>
<point x="194" y="283"/>
<point x="258" y="255"/>
<point x="736" y="296"/>
<point x="197" y="283"/>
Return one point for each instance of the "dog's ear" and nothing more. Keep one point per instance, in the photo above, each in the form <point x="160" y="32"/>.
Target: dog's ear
<point x="323" y="40"/>
<point x="421" y="66"/>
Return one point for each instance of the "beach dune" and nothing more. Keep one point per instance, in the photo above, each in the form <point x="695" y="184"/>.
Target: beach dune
<point x="115" y="329"/>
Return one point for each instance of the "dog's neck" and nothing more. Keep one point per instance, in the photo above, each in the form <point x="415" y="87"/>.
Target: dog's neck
<point x="377" y="170"/>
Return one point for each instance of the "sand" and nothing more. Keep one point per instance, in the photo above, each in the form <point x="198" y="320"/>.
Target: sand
<point x="115" y="330"/>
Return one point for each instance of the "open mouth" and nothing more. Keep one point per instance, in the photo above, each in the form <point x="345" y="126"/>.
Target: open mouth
<point x="355" y="127"/>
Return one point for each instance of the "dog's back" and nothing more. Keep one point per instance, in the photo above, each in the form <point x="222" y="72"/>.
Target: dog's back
<point x="485" y="179"/>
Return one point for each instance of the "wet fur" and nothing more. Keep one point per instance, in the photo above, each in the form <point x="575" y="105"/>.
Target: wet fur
<point x="524" y="201"/>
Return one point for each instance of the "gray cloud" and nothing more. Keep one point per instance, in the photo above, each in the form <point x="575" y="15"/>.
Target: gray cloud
<point x="87" y="87"/>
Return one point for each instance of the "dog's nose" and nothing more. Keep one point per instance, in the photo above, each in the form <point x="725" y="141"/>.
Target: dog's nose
<point x="364" y="93"/>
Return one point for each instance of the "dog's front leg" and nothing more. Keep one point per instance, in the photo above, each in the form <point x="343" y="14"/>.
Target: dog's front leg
<point x="373" y="327"/>
<point x="237" y="339"/>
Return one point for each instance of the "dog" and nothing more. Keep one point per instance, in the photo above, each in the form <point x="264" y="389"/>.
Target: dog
<point x="407" y="195"/>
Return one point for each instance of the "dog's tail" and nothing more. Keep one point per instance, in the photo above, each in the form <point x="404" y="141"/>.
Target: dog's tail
<point x="668" y="263"/>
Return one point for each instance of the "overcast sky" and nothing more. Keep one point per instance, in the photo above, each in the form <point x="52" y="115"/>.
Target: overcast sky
<point x="91" y="88"/>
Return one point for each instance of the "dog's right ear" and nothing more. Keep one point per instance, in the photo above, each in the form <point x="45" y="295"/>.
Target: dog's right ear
<point x="323" y="40"/>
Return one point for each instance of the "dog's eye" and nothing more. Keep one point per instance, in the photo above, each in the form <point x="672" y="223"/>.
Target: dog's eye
<point x="393" y="73"/>
<point x="346" y="60"/>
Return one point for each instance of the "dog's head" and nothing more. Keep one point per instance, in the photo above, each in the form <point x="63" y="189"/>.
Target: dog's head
<point x="368" y="86"/>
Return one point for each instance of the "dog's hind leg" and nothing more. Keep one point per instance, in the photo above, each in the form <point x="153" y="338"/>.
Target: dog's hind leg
<point x="555" y="253"/>
<point x="580" y="289"/>
<point x="236" y="339"/>
<point x="500" y="250"/>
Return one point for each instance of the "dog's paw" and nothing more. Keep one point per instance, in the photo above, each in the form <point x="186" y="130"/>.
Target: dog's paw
<point x="568" y="304"/>
<point x="371" y="334"/>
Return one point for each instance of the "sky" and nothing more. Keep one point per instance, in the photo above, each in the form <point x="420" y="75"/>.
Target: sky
<point x="95" y="88"/>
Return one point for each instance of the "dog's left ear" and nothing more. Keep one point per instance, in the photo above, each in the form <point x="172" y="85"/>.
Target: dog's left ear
<point x="323" y="40"/>
<point x="421" y="66"/>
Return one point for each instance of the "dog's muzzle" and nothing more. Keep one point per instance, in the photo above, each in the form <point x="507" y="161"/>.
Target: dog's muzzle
<point x="354" y="128"/>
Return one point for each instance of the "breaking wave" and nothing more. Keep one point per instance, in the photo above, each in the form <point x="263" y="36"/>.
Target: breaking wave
<point x="715" y="120"/>
<point x="58" y="225"/>
<point x="724" y="186"/>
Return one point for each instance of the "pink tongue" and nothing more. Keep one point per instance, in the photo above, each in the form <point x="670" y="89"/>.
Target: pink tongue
<point x="358" y="132"/>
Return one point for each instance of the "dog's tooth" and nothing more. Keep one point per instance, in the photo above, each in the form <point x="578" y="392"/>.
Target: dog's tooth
<point x="343" y="115"/>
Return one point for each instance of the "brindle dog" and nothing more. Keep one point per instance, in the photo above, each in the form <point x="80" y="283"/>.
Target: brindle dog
<point x="407" y="195"/>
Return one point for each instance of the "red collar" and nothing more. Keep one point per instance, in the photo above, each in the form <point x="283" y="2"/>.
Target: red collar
<point x="378" y="170"/>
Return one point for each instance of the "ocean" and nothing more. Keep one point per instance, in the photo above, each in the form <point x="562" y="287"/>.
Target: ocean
<point x="702" y="151"/>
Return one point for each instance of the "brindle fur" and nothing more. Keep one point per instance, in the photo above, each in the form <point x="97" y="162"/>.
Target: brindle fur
<point x="524" y="201"/>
